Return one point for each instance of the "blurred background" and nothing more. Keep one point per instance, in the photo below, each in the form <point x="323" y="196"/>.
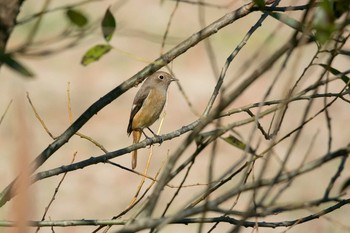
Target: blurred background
<point x="103" y="190"/>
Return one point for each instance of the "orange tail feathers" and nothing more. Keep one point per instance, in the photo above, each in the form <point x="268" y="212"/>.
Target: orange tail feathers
<point x="136" y="135"/>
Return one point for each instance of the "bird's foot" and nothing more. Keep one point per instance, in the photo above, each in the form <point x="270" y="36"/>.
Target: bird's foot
<point x="156" y="135"/>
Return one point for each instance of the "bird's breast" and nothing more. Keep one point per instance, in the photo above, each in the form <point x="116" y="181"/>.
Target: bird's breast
<point x="150" y="111"/>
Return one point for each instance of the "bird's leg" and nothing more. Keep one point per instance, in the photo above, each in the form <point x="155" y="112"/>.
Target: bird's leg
<point x="145" y="134"/>
<point x="156" y="135"/>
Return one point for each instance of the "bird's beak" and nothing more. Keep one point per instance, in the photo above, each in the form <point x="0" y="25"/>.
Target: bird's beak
<point x="174" y="79"/>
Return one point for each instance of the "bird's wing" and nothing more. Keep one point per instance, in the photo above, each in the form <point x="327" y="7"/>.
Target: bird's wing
<point x="138" y="102"/>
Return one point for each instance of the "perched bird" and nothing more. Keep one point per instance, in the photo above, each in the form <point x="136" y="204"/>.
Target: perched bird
<point x="147" y="106"/>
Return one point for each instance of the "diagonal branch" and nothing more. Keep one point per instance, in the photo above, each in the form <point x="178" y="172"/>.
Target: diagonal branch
<point x="126" y="85"/>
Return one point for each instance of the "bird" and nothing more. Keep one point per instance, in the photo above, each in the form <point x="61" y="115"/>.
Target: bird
<point x="147" y="106"/>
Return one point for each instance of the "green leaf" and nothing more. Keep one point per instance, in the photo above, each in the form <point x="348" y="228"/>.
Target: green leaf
<point x="108" y="25"/>
<point x="324" y="21"/>
<point x="232" y="140"/>
<point x="76" y="17"/>
<point x="259" y="3"/>
<point x="95" y="53"/>
<point x="336" y="72"/>
<point x="15" y="65"/>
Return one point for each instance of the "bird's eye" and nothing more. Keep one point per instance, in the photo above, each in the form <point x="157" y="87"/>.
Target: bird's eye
<point x="161" y="77"/>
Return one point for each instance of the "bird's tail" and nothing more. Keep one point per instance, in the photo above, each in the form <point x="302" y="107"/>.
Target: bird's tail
<point x="136" y="135"/>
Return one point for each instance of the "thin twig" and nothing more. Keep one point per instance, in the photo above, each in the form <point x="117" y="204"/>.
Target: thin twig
<point x="70" y="117"/>
<point x="168" y="27"/>
<point x="128" y="208"/>
<point x="39" y="118"/>
<point x="45" y="11"/>
<point x="69" y="105"/>
<point x="205" y="4"/>
<point x="103" y="158"/>
<point x="153" y="222"/>
<point x="55" y="194"/>
<point x="6" y="110"/>
<point x="137" y="78"/>
<point x="153" y="179"/>
<point x="335" y="177"/>
<point x="93" y="141"/>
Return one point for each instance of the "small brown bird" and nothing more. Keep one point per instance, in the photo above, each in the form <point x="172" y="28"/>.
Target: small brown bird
<point x="147" y="106"/>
